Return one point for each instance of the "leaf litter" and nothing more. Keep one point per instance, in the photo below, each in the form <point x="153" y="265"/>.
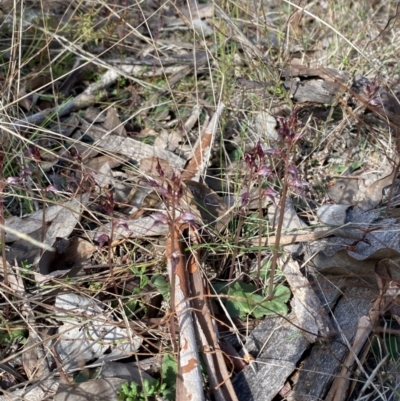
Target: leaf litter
<point x="158" y="209"/>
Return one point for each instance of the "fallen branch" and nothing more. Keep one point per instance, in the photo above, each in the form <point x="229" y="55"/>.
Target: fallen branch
<point x="189" y="385"/>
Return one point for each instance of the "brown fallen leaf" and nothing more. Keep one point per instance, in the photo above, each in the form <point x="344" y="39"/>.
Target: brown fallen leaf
<point x="212" y="208"/>
<point x="68" y="257"/>
<point x="197" y="165"/>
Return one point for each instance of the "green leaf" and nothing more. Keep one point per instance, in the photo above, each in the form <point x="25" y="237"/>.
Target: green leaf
<point x="6" y="337"/>
<point x="264" y="271"/>
<point x="162" y="285"/>
<point x="240" y="300"/>
<point x="281" y="293"/>
<point x="220" y="288"/>
<point x="130" y="307"/>
<point x="243" y="299"/>
<point x="146" y="386"/>
<point x="169" y="370"/>
<point x="236" y="154"/>
<point x="134" y="389"/>
<point x="270" y="308"/>
<point x="356" y="165"/>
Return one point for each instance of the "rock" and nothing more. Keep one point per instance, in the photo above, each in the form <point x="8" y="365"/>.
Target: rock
<point x="98" y="389"/>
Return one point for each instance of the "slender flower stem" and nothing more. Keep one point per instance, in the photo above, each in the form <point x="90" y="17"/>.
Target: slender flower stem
<point x="260" y="228"/>
<point x="173" y="272"/>
<point x="281" y="211"/>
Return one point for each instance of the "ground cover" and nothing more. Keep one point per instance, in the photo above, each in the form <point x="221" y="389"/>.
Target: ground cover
<point x="199" y="200"/>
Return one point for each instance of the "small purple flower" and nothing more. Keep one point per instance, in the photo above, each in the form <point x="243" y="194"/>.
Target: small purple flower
<point x="179" y="192"/>
<point x="274" y="152"/>
<point x="52" y="189"/>
<point x="376" y="102"/>
<point x="159" y="218"/>
<point x="289" y="127"/>
<point x="34" y="152"/>
<point x="188" y="217"/>
<point x="14" y="180"/>
<point x="154" y="184"/>
<point x="249" y="160"/>
<point x="264" y="171"/>
<point x="270" y="193"/>
<point x="108" y="203"/>
<point x="298" y="185"/>
<point x="293" y="170"/>
<point x="259" y="151"/>
<point x="159" y="188"/>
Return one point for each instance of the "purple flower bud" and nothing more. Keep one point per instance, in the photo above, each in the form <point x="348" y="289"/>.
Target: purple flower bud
<point x="159" y="169"/>
<point x="188" y="217"/>
<point x="376" y="102"/>
<point x="154" y="184"/>
<point x="121" y="223"/>
<point x="34" y="152"/>
<point x="103" y="239"/>
<point x="270" y="193"/>
<point x="298" y="185"/>
<point x="52" y="189"/>
<point x="258" y="151"/>
<point x="179" y="192"/>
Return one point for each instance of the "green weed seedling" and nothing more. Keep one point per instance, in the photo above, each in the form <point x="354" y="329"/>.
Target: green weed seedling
<point x="148" y="391"/>
<point x="140" y="272"/>
<point x="151" y="388"/>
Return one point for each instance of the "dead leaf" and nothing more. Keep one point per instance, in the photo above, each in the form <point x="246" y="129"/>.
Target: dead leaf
<point x="88" y="334"/>
<point x="169" y="140"/>
<point x="136" y="150"/>
<point x="67" y="259"/>
<point x="149" y="166"/>
<point x="311" y="316"/>
<point x="113" y="124"/>
<point x="35" y="358"/>
<point x="212" y="208"/>
<point x="95" y="163"/>
<point x="31" y="223"/>
<point x="197" y="165"/>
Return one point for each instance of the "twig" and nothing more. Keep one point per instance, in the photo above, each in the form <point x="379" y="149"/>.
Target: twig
<point x="218" y="374"/>
<point x="289" y="239"/>
<point x="189" y="380"/>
